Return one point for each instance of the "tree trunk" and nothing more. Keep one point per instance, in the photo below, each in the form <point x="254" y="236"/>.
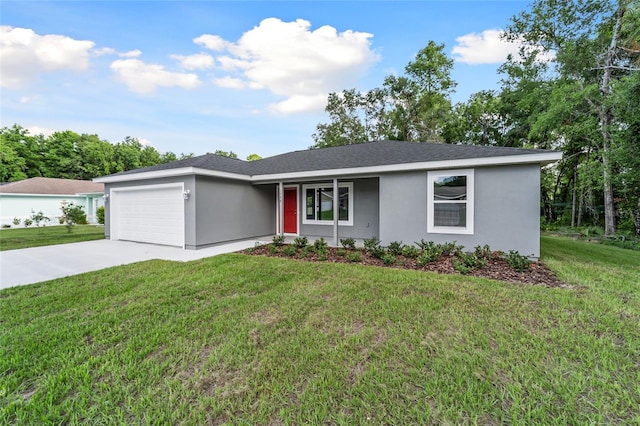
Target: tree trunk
<point x="637" y="217"/>
<point x="605" y="122"/>
<point x="573" y="196"/>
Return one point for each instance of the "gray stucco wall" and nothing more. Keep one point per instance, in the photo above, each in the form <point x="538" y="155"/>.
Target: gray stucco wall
<point x="229" y="210"/>
<point x="506" y="209"/>
<point x="189" y="205"/>
<point x="365" y="208"/>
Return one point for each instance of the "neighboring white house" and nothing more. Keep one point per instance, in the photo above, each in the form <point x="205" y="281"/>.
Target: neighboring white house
<point x="23" y="198"/>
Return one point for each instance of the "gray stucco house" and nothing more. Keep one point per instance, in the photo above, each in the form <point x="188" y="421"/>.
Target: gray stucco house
<point x="395" y="191"/>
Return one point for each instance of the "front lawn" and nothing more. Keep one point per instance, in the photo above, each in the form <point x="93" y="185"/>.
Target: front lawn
<point x="18" y="238"/>
<point x="255" y="340"/>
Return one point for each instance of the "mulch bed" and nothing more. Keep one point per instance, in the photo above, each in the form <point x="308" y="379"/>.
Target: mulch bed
<point x="496" y="268"/>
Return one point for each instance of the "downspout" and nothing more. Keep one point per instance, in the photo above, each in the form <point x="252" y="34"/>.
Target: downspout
<point x="281" y="208"/>
<point x="336" y="211"/>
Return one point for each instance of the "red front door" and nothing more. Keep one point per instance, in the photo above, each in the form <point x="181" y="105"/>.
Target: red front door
<point x="291" y="210"/>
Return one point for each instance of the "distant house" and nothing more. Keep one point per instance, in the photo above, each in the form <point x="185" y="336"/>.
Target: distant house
<point x="394" y="191"/>
<point x="19" y="199"/>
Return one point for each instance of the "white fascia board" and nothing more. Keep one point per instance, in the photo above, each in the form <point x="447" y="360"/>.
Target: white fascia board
<point x="541" y="158"/>
<point x="183" y="171"/>
<point x="18" y="194"/>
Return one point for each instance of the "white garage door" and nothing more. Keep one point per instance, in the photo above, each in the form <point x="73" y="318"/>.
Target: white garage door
<point x="153" y="214"/>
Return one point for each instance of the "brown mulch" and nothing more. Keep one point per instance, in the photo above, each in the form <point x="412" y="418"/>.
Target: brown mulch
<point x="496" y="268"/>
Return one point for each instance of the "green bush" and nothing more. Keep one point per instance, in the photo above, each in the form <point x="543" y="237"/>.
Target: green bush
<point x="517" y="261"/>
<point x="301" y="242"/>
<point x="100" y="215"/>
<point x="320" y="245"/>
<point x="451" y="249"/>
<point x="348" y="243"/>
<point x="289" y="250"/>
<point x="72" y="214"/>
<point x="278" y="240"/>
<point x="354" y="256"/>
<point x="371" y="243"/>
<point x="410" y="251"/>
<point x="483" y="252"/>
<point x="427" y="256"/>
<point x="378" y="252"/>
<point x="27" y="223"/>
<point x="395" y="248"/>
<point x="16" y="221"/>
<point x="388" y="259"/>
<point x="468" y="262"/>
<point x="40" y="217"/>
<point x="273" y="249"/>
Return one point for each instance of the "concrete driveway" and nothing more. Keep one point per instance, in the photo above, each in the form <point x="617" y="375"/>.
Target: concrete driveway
<point x="32" y="265"/>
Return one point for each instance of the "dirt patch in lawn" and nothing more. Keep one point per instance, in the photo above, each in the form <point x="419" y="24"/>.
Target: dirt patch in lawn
<point x="496" y="267"/>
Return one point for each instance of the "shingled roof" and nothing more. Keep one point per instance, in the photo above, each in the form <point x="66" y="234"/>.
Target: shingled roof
<point x="369" y="154"/>
<point x="42" y="185"/>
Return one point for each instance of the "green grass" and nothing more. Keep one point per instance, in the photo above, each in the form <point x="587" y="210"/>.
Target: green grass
<point x="248" y="340"/>
<point x="11" y="239"/>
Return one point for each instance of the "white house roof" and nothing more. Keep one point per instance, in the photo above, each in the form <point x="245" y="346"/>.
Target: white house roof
<point x="51" y="186"/>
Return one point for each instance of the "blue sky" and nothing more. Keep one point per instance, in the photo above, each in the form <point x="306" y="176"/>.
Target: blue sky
<point x="245" y="76"/>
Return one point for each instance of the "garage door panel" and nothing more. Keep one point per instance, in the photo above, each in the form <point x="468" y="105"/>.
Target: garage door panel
<point x="150" y="215"/>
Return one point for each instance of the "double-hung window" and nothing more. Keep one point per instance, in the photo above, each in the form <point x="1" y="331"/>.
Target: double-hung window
<point x="319" y="199"/>
<point x="450" y="202"/>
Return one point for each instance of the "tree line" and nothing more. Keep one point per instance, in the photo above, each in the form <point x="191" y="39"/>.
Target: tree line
<point x="574" y="87"/>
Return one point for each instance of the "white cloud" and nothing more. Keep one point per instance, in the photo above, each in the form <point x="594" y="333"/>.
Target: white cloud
<point x="37" y="130"/>
<point x="130" y="54"/>
<point x="145" y="78"/>
<point x="229" y="82"/>
<point x="211" y="42"/>
<point x="25" y="54"/>
<point x="111" y="51"/>
<point x="483" y="48"/>
<point x="488" y="48"/>
<point x="199" y="61"/>
<point x="294" y="62"/>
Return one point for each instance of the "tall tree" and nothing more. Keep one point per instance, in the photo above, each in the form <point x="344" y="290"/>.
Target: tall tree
<point x="591" y="50"/>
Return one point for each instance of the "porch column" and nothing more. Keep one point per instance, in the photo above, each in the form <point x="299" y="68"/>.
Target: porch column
<point x="281" y="208"/>
<point x="336" y="211"/>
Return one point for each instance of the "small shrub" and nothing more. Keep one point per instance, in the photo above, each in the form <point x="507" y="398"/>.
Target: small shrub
<point x="27" y="223"/>
<point x="517" y="261"/>
<point x="289" y="250"/>
<point x="378" y="252"/>
<point x="395" y="248"/>
<point x="371" y="243"/>
<point x="100" y="215"/>
<point x="354" y="256"/>
<point x="16" y="221"/>
<point x="278" y="240"/>
<point x="424" y="245"/>
<point x="388" y="259"/>
<point x="322" y="255"/>
<point x="341" y="252"/>
<point x="40" y="217"/>
<point x="451" y="249"/>
<point x="461" y="267"/>
<point x="6" y="225"/>
<point x="427" y="256"/>
<point x="483" y="252"/>
<point x="301" y="242"/>
<point x="273" y="249"/>
<point x="72" y="214"/>
<point x="320" y="245"/>
<point x="410" y="251"/>
<point x="470" y="261"/>
<point x="348" y="243"/>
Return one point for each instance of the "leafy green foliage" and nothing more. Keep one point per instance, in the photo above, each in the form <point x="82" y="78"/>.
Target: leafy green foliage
<point x="354" y="257"/>
<point x="39" y="218"/>
<point x="467" y="262"/>
<point x="371" y="243"/>
<point x="16" y="221"/>
<point x="395" y="248"/>
<point x="517" y="261"/>
<point x="320" y="245"/>
<point x="278" y="240"/>
<point x="348" y="243"/>
<point x="388" y="259"/>
<point x="100" y="215"/>
<point x="72" y="214"/>
<point x="289" y="250"/>
<point x="410" y="251"/>
<point x="301" y="242"/>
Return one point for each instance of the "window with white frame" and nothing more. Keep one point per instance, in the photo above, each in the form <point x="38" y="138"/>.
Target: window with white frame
<point x="450" y="201"/>
<point x="318" y="204"/>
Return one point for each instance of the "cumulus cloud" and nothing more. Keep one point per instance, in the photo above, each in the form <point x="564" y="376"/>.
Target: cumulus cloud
<point x="199" y="61"/>
<point x="293" y="61"/>
<point x="146" y="78"/>
<point x="111" y="51"/>
<point x="25" y="54"/>
<point x="483" y="48"/>
<point x="488" y="48"/>
<point x="229" y="82"/>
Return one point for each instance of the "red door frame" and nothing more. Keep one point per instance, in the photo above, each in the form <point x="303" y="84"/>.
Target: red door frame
<point x="290" y="209"/>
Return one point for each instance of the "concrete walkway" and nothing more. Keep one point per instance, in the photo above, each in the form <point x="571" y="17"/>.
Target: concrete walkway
<point x="32" y="265"/>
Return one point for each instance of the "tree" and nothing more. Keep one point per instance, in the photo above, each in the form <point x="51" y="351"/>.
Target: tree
<point x="594" y="45"/>
<point x="253" y="157"/>
<point x="478" y="121"/>
<point x="412" y="107"/>
<point x="229" y="154"/>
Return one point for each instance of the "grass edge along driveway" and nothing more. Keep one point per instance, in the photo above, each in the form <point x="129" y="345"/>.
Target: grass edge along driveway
<point x="250" y="340"/>
<point x="19" y="238"/>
